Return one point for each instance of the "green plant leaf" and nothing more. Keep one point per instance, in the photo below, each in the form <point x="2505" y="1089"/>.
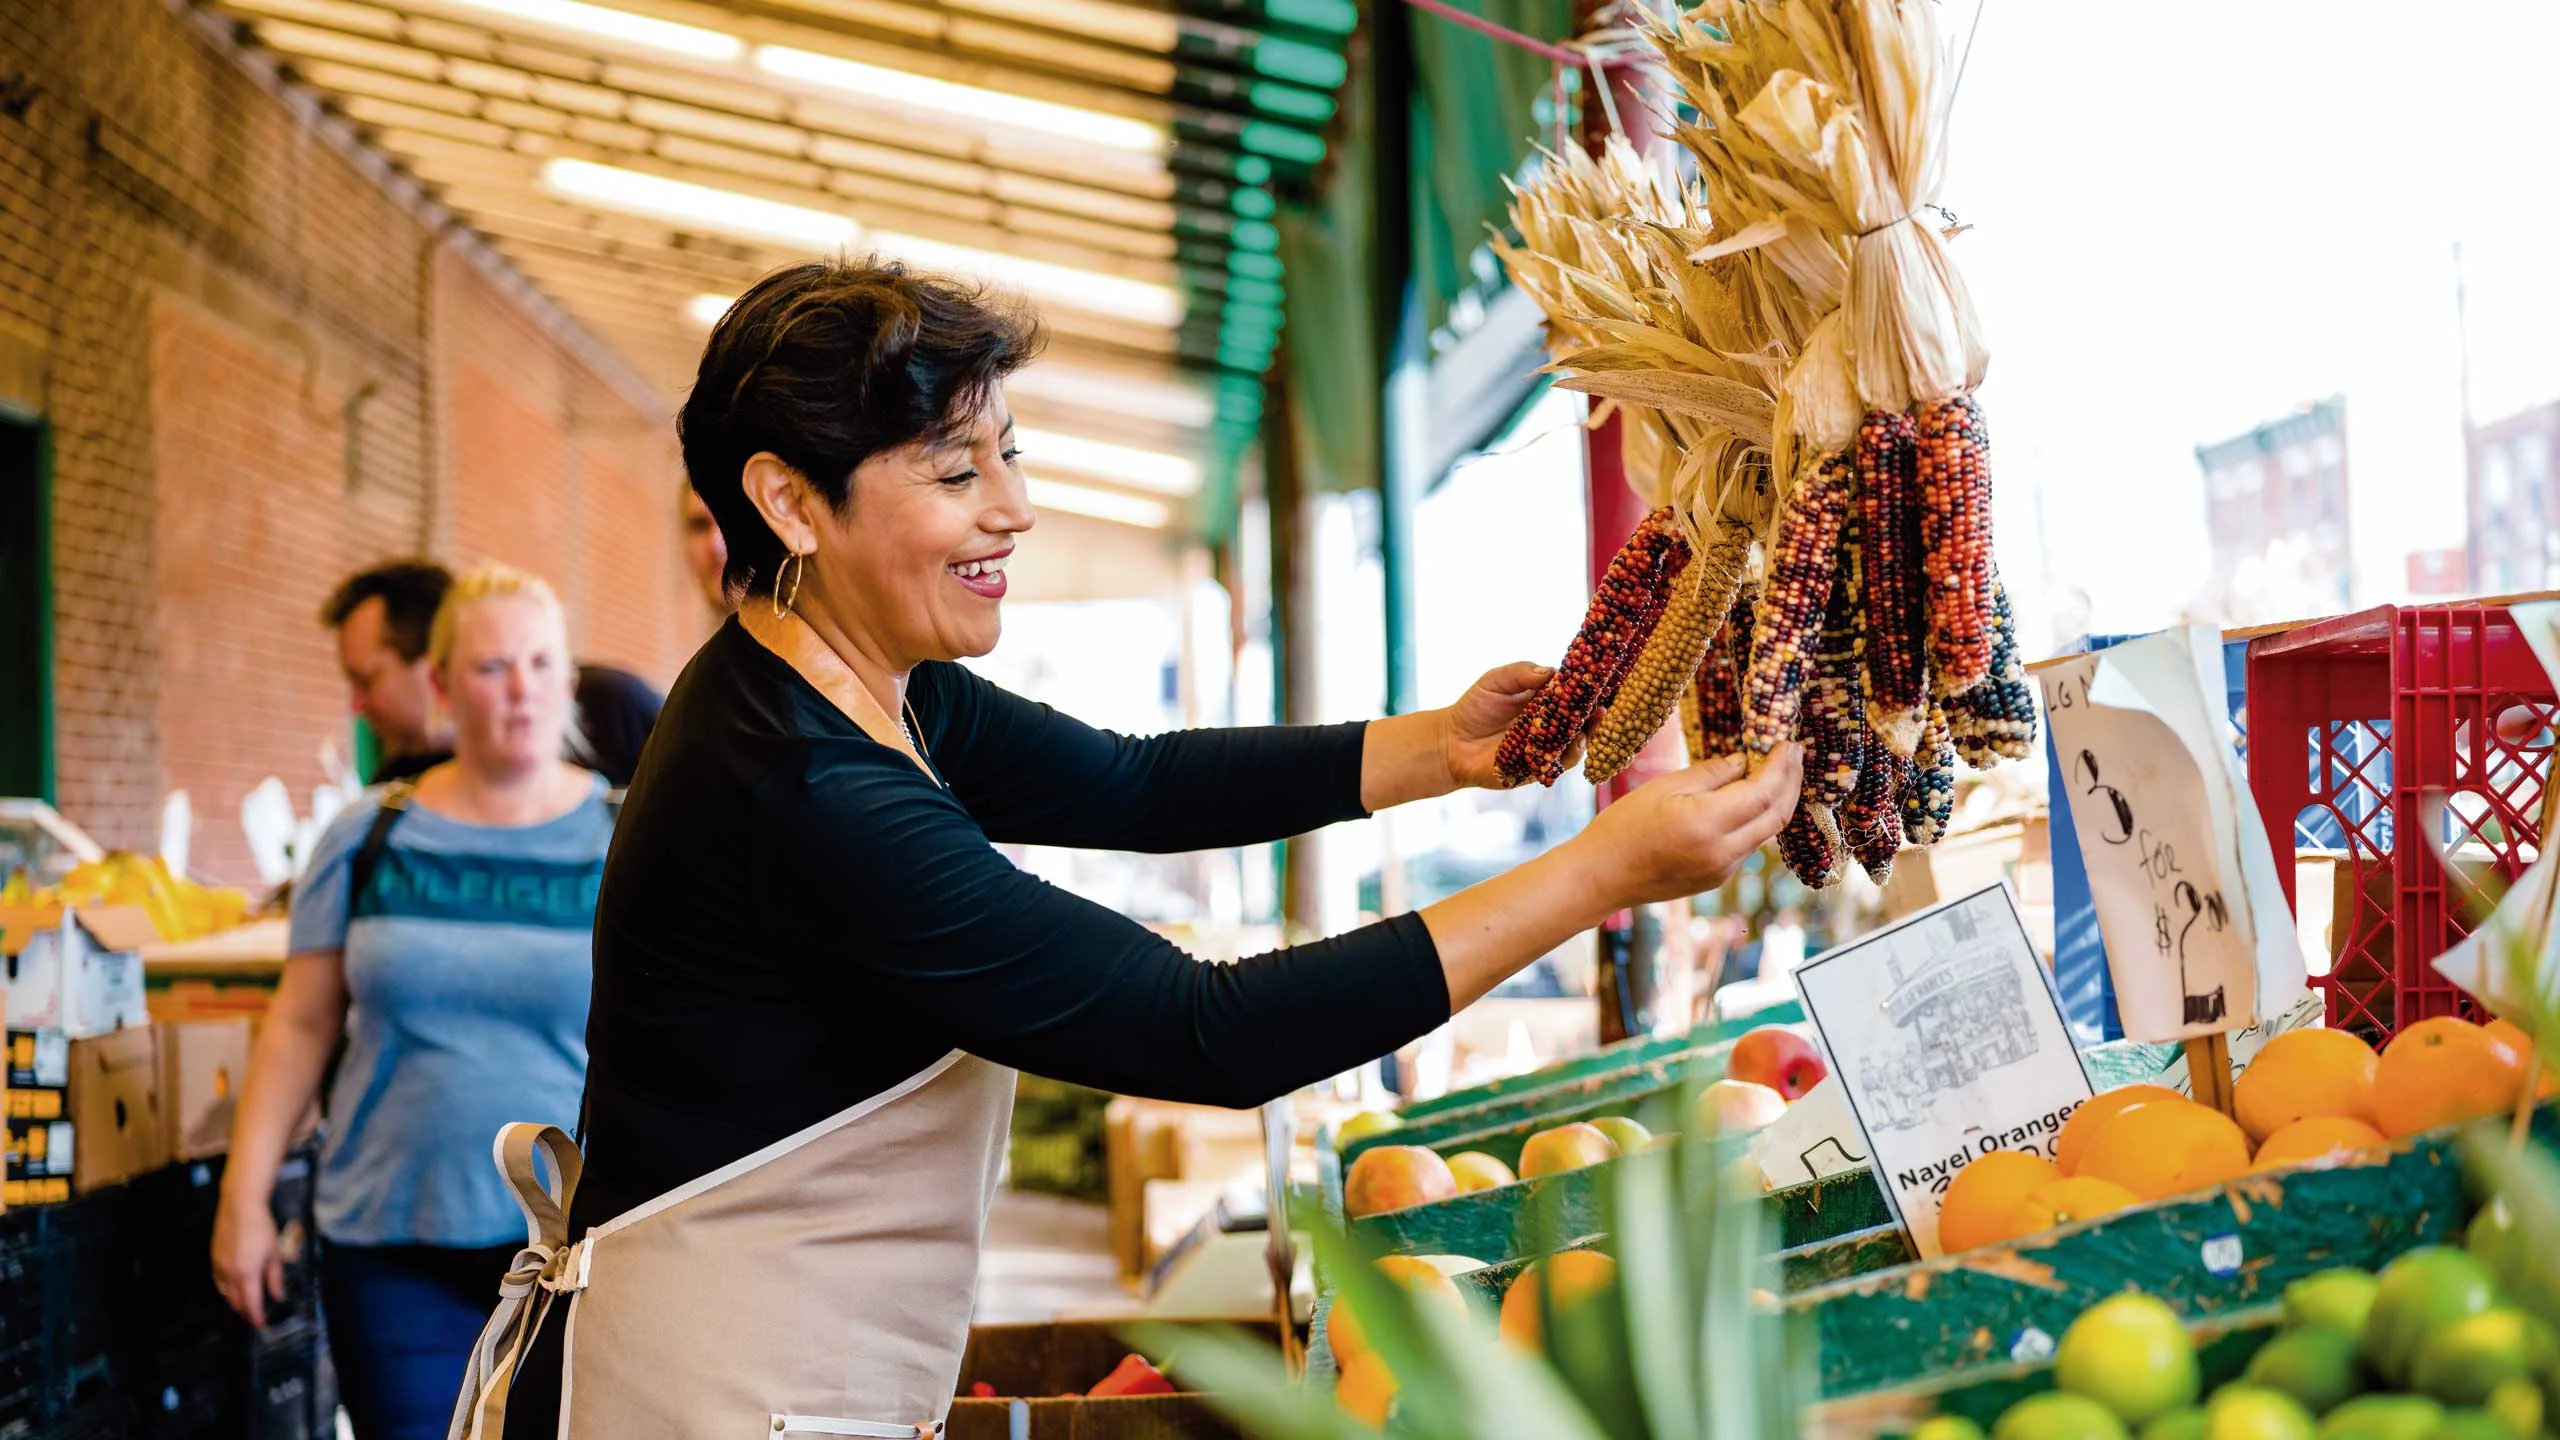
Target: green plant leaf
<point x="1246" y="1382"/>
<point x="1657" y="1299"/>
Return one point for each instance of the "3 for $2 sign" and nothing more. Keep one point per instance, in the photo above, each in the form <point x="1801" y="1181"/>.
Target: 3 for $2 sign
<point x="2165" y="833"/>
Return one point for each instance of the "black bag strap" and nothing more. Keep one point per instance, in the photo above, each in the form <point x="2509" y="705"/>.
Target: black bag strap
<point x="377" y="838"/>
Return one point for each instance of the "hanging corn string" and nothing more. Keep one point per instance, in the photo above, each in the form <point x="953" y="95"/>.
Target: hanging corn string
<point x="1793" y="372"/>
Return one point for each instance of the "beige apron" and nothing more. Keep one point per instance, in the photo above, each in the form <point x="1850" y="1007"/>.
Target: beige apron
<point x="820" y="1286"/>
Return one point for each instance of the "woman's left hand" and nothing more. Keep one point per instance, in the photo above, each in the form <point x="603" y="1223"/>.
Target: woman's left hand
<point x="1471" y="730"/>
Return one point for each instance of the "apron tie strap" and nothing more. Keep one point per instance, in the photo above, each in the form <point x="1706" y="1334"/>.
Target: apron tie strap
<point x="548" y="1266"/>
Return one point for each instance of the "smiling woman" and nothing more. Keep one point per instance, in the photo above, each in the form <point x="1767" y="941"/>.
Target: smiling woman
<point x="815" y="974"/>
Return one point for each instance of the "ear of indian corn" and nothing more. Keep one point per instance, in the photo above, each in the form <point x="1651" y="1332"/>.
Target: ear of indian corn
<point x="1893" y="574"/>
<point x="1720" y="675"/>
<point x="1793" y="597"/>
<point x="1809" y="843"/>
<point x="1929" y="800"/>
<point x="1621" y="614"/>
<point x="1871" y="822"/>
<point x="1955" y="536"/>
<point x="1996" y="720"/>
<point x="1699" y="600"/>
<point x="1833" y="722"/>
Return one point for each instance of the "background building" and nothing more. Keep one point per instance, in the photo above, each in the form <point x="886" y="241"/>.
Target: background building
<point x="2276" y="516"/>
<point x="2514" y="497"/>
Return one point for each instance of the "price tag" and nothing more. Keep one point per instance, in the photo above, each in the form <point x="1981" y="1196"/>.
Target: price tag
<point x="1948" y="1042"/>
<point x="2199" y="939"/>
<point x="2030" y="1345"/>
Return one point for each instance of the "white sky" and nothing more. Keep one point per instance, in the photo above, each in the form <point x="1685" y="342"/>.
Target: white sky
<point x="2195" y="218"/>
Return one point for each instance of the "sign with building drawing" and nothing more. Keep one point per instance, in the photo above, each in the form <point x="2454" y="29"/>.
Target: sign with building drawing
<point x="1949" y="1042"/>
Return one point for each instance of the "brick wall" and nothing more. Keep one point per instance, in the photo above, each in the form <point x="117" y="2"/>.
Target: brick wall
<point x="262" y="367"/>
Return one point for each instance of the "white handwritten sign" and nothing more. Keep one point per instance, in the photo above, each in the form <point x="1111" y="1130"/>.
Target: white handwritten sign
<point x="1949" y="1042"/>
<point x="2178" y="860"/>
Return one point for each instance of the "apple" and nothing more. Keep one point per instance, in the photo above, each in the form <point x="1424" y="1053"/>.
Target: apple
<point x="1478" y="1171"/>
<point x="1395" y="1177"/>
<point x="1566" y="1147"/>
<point x="1366" y="1124"/>
<point x="1735" y="1107"/>
<point x="1779" y="1058"/>
<point x="1628" y="1135"/>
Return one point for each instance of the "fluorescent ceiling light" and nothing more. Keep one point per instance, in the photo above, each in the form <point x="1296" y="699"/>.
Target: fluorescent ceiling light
<point x="1144" y="398"/>
<point x="1122" y="464"/>
<point x="706" y="310"/>
<point x="1116" y="295"/>
<point x="967" y="102"/>
<point x="636" y="192"/>
<point x="584" y="19"/>
<point x="1100" y="504"/>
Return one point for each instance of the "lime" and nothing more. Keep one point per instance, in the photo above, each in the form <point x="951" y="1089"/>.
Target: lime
<point x="2187" y="1424"/>
<point x="2471" y="1425"/>
<point x="1626" y="1134"/>
<point x="2254" y="1412"/>
<point x="2462" y="1362"/>
<point x="2316" y="1366"/>
<point x="2338" y="1299"/>
<point x="2056" y="1415"/>
<point x="1947" y="1427"/>
<point x="2429" y="1287"/>
<point x="2383" y="1417"/>
<point x="2131" y="1354"/>
<point x="2518" y="1406"/>
<point x="2528" y="1278"/>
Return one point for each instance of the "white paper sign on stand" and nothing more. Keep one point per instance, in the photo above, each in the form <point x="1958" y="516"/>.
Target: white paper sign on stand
<point x="1949" y="1041"/>
<point x="2199" y="938"/>
<point x="1816" y="1137"/>
<point x="2518" y="941"/>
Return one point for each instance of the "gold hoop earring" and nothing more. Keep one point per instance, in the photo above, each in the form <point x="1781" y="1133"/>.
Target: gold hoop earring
<point x="795" y="566"/>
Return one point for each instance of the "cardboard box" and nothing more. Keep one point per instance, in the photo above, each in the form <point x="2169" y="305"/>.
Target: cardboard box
<point x="75" y="969"/>
<point x="115" y="1102"/>
<point x="202" y="1066"/>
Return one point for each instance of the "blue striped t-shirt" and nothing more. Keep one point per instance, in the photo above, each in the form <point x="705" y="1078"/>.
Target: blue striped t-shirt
<point x="468" y="964"/>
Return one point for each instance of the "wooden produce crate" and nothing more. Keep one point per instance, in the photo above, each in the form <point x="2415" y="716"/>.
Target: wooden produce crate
<point x="2224" y="1345"/>
<point x="1625" y="1055"/>
<point x="1042" y="1371"/>
<point x="2215" y="1252"/>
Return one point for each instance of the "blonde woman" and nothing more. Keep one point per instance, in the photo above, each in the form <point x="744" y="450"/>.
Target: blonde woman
<point x="445" y="931"/>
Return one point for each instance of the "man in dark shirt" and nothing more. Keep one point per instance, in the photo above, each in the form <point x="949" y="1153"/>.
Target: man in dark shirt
<point x="382" y="616"/>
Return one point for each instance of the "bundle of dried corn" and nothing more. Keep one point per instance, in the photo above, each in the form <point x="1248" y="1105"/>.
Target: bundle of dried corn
<point x="1795" y="369"/>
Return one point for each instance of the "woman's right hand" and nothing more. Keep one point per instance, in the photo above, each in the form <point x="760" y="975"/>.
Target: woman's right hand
<point x="248" y="1257"/>
<point x="1686" y="833"/>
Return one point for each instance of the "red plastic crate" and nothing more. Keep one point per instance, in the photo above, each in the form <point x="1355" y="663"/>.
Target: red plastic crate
<point x="2355" y="725"/>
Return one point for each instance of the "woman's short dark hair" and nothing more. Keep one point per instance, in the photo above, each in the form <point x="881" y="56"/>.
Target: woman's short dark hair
<point x="826" y="364"/>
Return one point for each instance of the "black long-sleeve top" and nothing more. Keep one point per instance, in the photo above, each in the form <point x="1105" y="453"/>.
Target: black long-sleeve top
<point x="794" y="918"/>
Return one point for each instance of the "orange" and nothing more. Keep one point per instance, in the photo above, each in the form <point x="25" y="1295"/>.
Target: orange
<point x="2313" y="1139"/>
<point x="2303" y="1073"/>
<point x="1976" y="1209"/>
<point x="2162" y="1149"/>
<point x="2092" y="1117"/>
<point x="2441" y="1071"/>
<point x="1427" y="1281"/>
<point x="1569" y="1276"/>
<point x="2522" y="1044"/>
<point x="2060" y="1202"/>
